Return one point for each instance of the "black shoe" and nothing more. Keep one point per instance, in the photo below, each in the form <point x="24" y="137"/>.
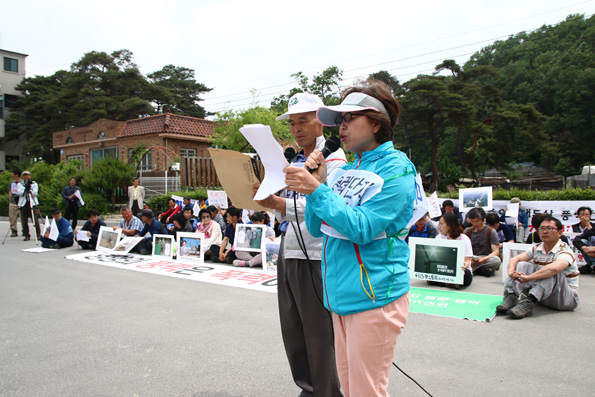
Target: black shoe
<point x="585" y="269"/>
<point x="14" y="233"/>
<point x="510" y="301"/>
<point x="27" y="238"/>
<point x="522" y="309"/>
<point x="145" y="251"/>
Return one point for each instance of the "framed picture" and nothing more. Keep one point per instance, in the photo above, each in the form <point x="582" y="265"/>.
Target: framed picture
<point x="218" y="198"/>
<point x="578" y="254"/>
<point x="272" y="255"/>
<point x="190" y="247"/>
<point x="126" y="244"/>
<point x="510" y="250"/>
<point x="108" y="238"/>
<point x="437" y="260"/>
<point x="163" y="246"/>
<point x="250" y="237"/>
<point x="476" y="197"/>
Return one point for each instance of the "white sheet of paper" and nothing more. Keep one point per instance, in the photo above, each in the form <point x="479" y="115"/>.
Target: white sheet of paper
<point x="54" y="233"/>
<point x="434" y="205"/>
<point x="37" y="250"/>
<point x="195" y="209"/>
<point x="513" y="210"/>
<point x="77" y="193"/>
<point x="271" y="153"/>
<point x="81" y="235"/>
<point x="420" y="202"/>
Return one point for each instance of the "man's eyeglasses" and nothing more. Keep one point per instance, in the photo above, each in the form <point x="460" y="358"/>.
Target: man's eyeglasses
<point x="347" y="117"/>
<point x="547" y="229"/>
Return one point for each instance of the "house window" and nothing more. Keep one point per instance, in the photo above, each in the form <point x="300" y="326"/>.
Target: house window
<point x="145" y="163"/>
<point x="78" y="157"/>
<point x="11" y="65"/>
<point x="187" y="153"/>
<point x="98" y="154"/>
<point x="69" y="140"/>
<point x="10" y="100"/>
<point x="1" y="108"/>
<point x="101" y="136"/>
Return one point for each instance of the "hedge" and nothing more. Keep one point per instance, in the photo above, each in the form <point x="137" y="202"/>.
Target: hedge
<point x="570" y="194"/>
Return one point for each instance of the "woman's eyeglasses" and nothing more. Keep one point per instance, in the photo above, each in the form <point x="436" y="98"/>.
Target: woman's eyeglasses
<point x="205" y="217"/>
<point x="347" y="117"/>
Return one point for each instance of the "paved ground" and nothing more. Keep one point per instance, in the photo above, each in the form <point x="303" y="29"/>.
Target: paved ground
<point x="69" y="328"/>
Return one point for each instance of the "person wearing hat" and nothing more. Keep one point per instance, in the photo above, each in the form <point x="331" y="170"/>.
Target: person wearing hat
<point x="27" y="191"/>
<point x="362" y="211"/>
<point x="151" y="226"/>
<point x="306" y="326"/>
<point x="65" y="233"/>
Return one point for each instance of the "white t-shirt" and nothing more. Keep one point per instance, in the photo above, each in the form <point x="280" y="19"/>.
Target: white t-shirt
<point x="462" y="237"/>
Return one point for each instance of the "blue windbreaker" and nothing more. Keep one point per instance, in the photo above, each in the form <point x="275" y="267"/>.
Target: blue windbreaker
<point x="362" y="212"/>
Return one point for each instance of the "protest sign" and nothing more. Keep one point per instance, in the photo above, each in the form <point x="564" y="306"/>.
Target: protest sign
<point x="436" y="260"/>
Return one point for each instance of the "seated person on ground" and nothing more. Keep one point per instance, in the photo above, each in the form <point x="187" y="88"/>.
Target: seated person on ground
<point x="448" y="206"/>
<point x="584" y="214"/>
<point x="217" y="217"/>
<point x="130" y="224"/>
<point x="151" y="227"/>
<point x="486" y="247"/>
<point x="252" y="259"/>
<point x="92" y="227"/>
<point x="212" y="232"/>
<point x="188" y="214"/>
<point x="585" y="243"/>
<point x="180" y="224"/>
<point x="424" y="227"/>
<point x="534" y="236"/>
<point x="545" y="273"/>
<point x="165" y="217"/>
<point x="227" y="253"/>
<point x="65" y="236"/>
<point x="451" y="229"/>
<point x="504" y="233"/>
<point x="187" y="204"/>
<point x="522" y="219"/>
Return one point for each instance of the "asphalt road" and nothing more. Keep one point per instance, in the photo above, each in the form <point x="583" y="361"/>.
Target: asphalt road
<point x="70" y="328"/>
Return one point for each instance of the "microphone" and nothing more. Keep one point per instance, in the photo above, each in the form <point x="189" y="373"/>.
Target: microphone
<point x="289" y="154"/>
<point x="330" y="146"/>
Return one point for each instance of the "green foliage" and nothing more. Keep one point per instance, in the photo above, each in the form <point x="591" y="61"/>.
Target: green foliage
<point x="4" y="204"/>
<point x="451" y="173"/>
<point x="99" y="85"/>
<point x="227" y="128"/>
<point x="162" y="201"/>
<point x="571" y="194"/>
<point x="106" y="175"/>
<point x="95" y="201"/>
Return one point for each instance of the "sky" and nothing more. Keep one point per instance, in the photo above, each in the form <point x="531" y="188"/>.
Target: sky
<point x="247" y="50"/>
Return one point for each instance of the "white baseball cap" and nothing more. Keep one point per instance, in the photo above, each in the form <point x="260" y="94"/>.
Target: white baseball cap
<point x="356" y="101"/>
<point x="301" y="103"/>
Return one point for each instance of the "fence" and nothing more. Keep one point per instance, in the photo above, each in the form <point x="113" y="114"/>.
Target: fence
<point x="158" y="185"/>
<point x="198" y="172"/>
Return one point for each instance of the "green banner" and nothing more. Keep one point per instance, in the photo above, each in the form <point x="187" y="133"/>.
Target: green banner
<point x="454" y="304"/>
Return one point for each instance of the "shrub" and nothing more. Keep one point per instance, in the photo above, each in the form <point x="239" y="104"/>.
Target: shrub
<point x="161" y="202"/>
<point x="571" y="194"/>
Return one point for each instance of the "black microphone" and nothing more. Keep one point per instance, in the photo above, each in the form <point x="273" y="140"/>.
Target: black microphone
<point x="289" y="154"/>
<point x="330" y="146"/>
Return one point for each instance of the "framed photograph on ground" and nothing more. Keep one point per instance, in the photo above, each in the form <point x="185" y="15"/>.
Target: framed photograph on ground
<point x="476" y="197"/>
<point x="437" y="260"/>
<point x="578" y="254"/>
<point x="163" y="246"/>
<point x="272" y="255"/>
<point x="126" y="244"/>
<point x="190" y="247"/>
<point x="108" y="238"/>
<point x="510" y="250"/>
<point x="250" y="238"/>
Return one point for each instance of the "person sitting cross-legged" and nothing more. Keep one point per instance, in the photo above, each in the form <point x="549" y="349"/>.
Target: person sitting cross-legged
<point x="545" y="273"/>
<point x="66" y="235"/>
<point x="92" y="227"/>
<point x="486" y="246"/>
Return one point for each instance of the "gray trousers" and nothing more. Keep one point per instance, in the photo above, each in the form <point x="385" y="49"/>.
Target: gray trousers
<point x="252" y="261"/>
<point x="553" y="292"/>
<point x="492" y="263"/>
<point x="306" y="327"/>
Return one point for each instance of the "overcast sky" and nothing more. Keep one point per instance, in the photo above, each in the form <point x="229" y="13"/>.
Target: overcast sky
<point x="239" y="46"/>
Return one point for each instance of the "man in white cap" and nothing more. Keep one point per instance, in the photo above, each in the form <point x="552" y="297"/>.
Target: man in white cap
<point x="306" y="325"/>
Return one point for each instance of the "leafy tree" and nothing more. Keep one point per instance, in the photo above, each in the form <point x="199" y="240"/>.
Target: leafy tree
<point x="391" y="81"/>
<point x="227" y="128"/>
<point x="107" y="175"/>
<point x="176" y="89"/>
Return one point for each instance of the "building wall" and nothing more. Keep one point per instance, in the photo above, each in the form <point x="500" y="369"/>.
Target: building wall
<point x="8" y="81"/>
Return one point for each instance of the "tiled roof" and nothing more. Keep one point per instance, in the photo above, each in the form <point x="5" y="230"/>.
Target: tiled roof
<point x="167" y="123"/>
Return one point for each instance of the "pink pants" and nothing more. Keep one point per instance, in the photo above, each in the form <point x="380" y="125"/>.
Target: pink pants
<point x="365" y="345"/>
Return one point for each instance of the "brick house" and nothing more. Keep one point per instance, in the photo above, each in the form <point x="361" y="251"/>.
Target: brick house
<point x="167" y="135"/>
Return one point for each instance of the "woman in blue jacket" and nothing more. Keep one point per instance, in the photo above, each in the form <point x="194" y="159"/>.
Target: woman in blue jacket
<point x="361" y="211"/>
